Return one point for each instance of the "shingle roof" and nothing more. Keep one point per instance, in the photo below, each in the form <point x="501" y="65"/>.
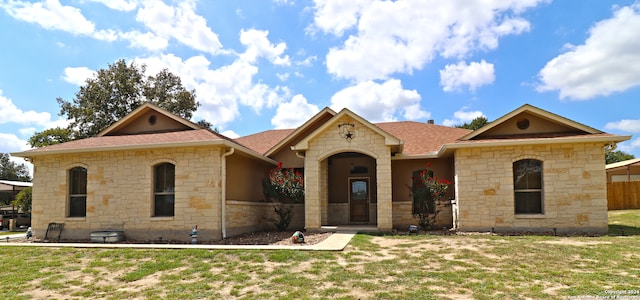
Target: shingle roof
<point x="419" y="138"/>
<point x="123" y="141"/>
<point x="261" y="142"/>
<point x="422" y="138"/>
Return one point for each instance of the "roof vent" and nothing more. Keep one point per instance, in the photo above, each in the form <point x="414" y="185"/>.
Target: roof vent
<point x="430" y="121"/>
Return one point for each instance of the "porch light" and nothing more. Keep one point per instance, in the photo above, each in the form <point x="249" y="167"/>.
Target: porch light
<point x="346" y="131"/>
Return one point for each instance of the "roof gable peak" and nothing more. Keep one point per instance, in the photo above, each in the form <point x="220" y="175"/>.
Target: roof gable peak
<point x="147" y="118"/>
<point x="528" y="120"/>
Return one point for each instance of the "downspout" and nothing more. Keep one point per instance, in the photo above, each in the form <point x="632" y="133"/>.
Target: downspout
<point x="223" y="208"/>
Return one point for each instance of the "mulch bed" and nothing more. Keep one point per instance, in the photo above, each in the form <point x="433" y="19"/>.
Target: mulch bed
<point x="252" y="238"/>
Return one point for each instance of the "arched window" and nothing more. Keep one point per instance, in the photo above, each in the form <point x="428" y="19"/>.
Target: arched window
<point x="164" y="190"/>
<point x="527" y="186"/>
<point x="78" y="192"/>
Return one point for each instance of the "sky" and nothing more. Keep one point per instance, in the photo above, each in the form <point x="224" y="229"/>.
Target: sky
<point x="268" y="64"/>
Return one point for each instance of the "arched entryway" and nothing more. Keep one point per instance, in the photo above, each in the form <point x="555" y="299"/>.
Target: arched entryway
<point x="351" y="189"/>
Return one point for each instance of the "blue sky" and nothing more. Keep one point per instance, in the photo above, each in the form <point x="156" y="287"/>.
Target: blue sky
<point x="258" y="65"/>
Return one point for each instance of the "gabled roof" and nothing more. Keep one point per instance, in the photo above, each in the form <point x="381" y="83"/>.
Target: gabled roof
<point x="323" y="116"/>
<point x="573" y="132"/>
<point x="9" y="185"/>
<point x="261" y="142"/>
<point x="141" y="110"/>
<point x="527" y="108"/>
<point x="389" y="139"/>
<point x="624" y="163"/>
<point x="422" y="139"/>
<point x="191" y="135"/>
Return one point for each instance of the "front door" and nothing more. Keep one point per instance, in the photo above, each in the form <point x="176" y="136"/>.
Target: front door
<point x="359" y="199"/>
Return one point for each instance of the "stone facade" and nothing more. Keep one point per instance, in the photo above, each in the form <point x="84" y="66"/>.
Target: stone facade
<point x="244" y="216"/>
<point x="328" y="143"/>
<point x="574" y="188"/>
<point x="120" y="193"/>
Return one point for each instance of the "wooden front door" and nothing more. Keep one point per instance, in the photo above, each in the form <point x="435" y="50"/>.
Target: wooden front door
<point x="359" y="199"/>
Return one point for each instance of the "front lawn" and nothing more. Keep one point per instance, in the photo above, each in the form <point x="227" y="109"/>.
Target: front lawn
<point x="480" y="266"/>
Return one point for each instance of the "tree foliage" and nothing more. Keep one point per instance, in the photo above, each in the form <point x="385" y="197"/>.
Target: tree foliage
<point x="51" y="136"/>
<point x="113" y="93"/>
<point x="617" y="156"/>
<point x="475" y="124"/>
<point x="10" y="170"/>
<point x="23" y="201"/>
<point x="283" y="186"/>
<point x="426" y="191"/>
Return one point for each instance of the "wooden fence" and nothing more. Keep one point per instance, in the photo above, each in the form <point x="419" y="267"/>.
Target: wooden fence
<point x="623" y="195"/>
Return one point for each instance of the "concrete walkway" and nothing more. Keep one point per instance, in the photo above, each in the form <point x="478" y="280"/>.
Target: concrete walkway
<point x="336" y="242"/>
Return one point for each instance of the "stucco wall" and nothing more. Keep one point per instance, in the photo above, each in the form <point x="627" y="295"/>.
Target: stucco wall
<point x="574" y="184"/>
<point x="244" y="177"/>
<point x="120" y="193"/>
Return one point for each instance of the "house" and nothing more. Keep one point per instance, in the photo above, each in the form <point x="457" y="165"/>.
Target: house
<point x="627" y="170"/>
<point x="155" y="175"/>
<point x="623" y="184"/>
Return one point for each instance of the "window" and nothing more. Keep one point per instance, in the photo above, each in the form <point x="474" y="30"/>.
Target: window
<point x="78" y="192"/>
<point x="421" y="197"/>
<point x="164" y="187"/>
<point x="527" y="186"/>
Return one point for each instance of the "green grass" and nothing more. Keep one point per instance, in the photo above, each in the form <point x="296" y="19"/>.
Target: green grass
<point x="624" y="222"/>
<point x="478" y="266"/>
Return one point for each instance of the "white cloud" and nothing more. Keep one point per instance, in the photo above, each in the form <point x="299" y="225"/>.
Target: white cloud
<point x="474" y="75"/>
<point x="624" y="125"/>
<point x="607" y="62"/>
<point x="9" y="113"/>
<point x="121" y="5"/>
<point x="295" y="113"/>
<point x="78" y="75"/>
<point x="180" y="23"/>
<point x="50" y="14"/>
<point x="462" y="116"/>
<point x="307" y="62"/>
<point x="11" y="143"/>
<point x="230" y="134"/>
<point x="379" y="102"/>
<point x="258" y="45"/>
<point x="401" y="36"/>
<point x="146" y="40"/>
<point x="220" y="91"/>
<point x="285" y="2"/>
<point x="630" y="146"/>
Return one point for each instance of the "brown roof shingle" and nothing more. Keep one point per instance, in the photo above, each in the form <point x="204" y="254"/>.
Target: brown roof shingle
<point x="176" y="137"/>
<point x="422" y="138"/>
<point x="261" y="142"/>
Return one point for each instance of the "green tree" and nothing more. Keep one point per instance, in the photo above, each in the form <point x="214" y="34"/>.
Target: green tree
<point x="283" y="186"/>
<point x="475" y="124"/>
<point x="50" y="136"/>
<point x="116" y="91"/>
<point x="23" y="201"/>
<point x="617" y="156"/>
<point x="10" y="170"/>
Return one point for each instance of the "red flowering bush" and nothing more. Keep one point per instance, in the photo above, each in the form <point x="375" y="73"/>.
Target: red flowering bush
<point x="283" y="186"/>
<point x="426" y="190"/>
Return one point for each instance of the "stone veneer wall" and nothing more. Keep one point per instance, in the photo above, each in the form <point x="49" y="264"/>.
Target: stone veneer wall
<point x="574" y="188"/>
<point x="120" y="193"/>
<point x="329" y="143"/>
<point x="403" y="217"/>
<point x="246" y="216"/>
